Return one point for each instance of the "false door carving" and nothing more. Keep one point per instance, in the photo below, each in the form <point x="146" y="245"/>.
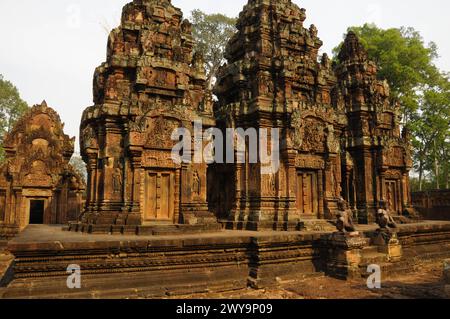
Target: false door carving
<point x="159" y="196"/>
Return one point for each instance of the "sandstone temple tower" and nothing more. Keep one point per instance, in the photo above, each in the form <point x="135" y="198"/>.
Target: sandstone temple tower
<point x="339" y="132"/>
<point x="151" y="84"/>
<point x="274" y="79"/>
<point x="37" y="183"/>
<point x="340" y="129"/>
<point x="378" y="155"/>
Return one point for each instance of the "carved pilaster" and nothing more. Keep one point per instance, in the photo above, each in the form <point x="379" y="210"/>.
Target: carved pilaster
<point x="136" y="167"/>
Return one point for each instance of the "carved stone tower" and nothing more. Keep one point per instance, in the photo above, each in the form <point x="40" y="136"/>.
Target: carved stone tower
<point x="150" y="85"/>
<point x="273" y="79"/>
<point x="378" y="158"/>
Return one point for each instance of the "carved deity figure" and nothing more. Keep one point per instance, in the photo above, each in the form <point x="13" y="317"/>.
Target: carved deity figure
<point x="302" y="16"/>
<point x="344" y="221"/>
<point x="117" y="179"/>
<point x="198" y="62"/>
<point x="196" y="184"/>
<point x="325" y="61"/>
<point x="384" y="219"/>
<point x="313" y="31"/>
<point x="332" y="141"/>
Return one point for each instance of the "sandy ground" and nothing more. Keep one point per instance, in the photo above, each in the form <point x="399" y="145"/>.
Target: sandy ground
<point x="426" y="283"/>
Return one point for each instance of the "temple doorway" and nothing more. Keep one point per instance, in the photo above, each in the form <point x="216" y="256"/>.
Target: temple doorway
<point x="37" y="208"/>
<point x="307" y="193"/>
<point x="392" y="196"/>
<point x="159" y="196"/>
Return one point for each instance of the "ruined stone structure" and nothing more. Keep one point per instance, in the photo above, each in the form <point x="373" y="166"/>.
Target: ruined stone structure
<point x="274" y="79"/>
<point x="37" y="183"/>
<point x="341" y="154"/>
<point x="151" y="84"/>
<point x="432" y="205"/>
<point x="339" y="128"/>
<point x="377" y="156"/>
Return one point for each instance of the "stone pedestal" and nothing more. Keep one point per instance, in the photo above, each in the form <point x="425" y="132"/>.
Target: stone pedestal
<point x="344" y="254"/>
<point x="8" y="231"/>
<point x="447" y="277"/>
<point x="6" y="268"/>
<point x="388" y="243"/>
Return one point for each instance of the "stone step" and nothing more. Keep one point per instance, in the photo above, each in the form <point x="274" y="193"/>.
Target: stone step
<point x="370" y="250"/>
<point x="318" y="225"/>
<point x="144" y="230"/>
<point x="6" y="262"/>
<point x="3" y="244"/>
<point x="374" y="258"/>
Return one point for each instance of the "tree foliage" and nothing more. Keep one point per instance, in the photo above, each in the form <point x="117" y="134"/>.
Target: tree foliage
<point x="211" y="34"/>
<point x="431" y="128"/>
<point x="407" y="63"/>
<point x="12" y="108"/>
<point x="404" y="60"/>
<point x="79" y="166"/>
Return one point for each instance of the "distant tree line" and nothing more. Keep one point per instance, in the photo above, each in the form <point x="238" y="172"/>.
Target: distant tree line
<point x="12" y="108"/>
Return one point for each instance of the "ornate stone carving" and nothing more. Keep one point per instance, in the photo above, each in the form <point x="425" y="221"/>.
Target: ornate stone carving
<point x="333" y="143"/>
<point x="332" y="117"/>
<point x="384" y="219"/>
<point x="344" y="221"/>
<point x="373" y="125"/>
<point x="196" y="183"/>
<point x="151" y="84"/>
<point x="37" y="165"/>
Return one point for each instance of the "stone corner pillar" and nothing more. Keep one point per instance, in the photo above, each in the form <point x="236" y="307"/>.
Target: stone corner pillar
<point x="344" y="254"/>
<point x="447" y="277"/>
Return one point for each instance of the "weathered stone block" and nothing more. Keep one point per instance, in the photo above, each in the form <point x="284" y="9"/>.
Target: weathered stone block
<point x="344" y="254"/>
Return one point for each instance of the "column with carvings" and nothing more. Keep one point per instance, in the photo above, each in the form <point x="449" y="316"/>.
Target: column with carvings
<point x="135" y="217"/>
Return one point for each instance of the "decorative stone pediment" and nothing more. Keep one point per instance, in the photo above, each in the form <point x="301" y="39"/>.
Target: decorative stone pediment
<point x="159" y="132"/>
<point x="37" y="166"/>
<point x="313" y="130"/>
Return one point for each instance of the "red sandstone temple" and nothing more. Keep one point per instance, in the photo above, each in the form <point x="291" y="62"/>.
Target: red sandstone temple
<point x="340" y="133"/>
<point x="339" y="138"/>
<point x="340" y="128"/>
<point x="37" y="183"/>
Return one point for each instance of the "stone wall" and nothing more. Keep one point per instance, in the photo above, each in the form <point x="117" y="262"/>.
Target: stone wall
<point x="433" y="205"/>
<point x="152" y="267"/>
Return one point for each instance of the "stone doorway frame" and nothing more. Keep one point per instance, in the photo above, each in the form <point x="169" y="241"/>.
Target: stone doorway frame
<point x="47" y="212"/>
<point x="318" y="194"/>
<point x="172" y="194"/>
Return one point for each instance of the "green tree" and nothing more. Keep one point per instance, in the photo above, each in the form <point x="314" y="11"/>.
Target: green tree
<point x="404" y="60"/>
<point x="435" y="115"/>
<point x="211" y="34"/>
<point x="11" y="109"/>
<point x="431" y="128"/>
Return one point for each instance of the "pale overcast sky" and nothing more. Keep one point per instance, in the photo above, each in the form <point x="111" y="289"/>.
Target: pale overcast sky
<point x="50" y="48"/>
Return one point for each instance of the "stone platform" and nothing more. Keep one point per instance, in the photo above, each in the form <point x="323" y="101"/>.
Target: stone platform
<point x="144" y="230"/>
<point x="7" y="232"/>
<point x="130" y="266"/>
